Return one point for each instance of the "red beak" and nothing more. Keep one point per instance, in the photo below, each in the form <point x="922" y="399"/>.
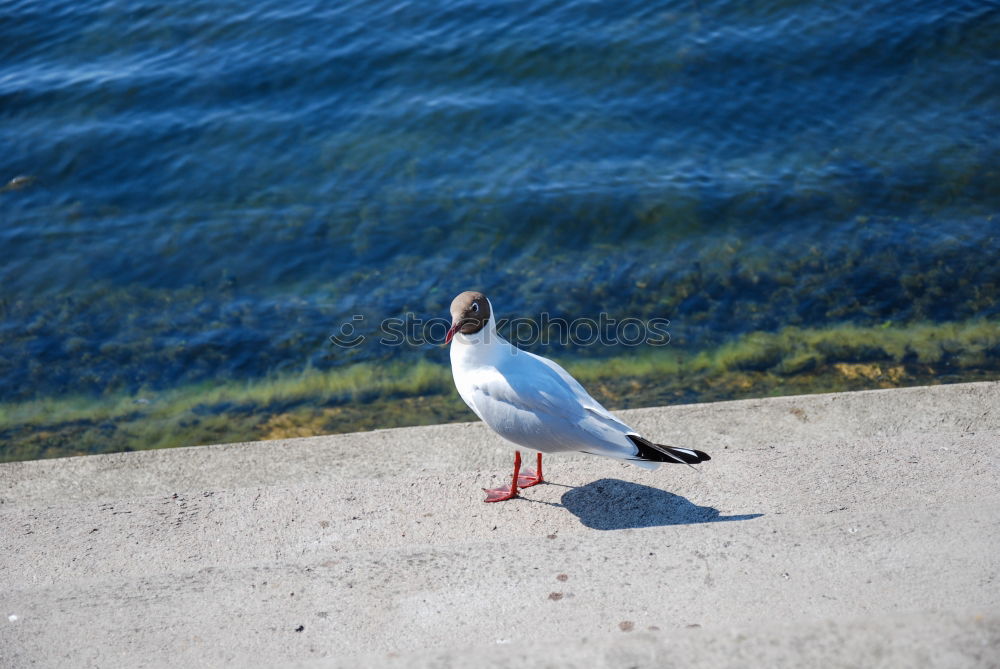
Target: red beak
<point x="451" y="333"/>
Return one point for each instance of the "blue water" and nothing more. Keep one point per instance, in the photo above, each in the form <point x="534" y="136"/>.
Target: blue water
<point x="214" y="187"/>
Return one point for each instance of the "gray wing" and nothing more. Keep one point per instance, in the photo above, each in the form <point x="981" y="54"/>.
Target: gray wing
<point x="537" y="404"/>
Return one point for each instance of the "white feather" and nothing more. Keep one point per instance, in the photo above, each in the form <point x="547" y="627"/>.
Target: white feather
<point x="532" y="401"/>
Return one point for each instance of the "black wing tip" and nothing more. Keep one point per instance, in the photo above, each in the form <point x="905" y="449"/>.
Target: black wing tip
<point x="702" y="455"/>
<point x="660" y="453"/>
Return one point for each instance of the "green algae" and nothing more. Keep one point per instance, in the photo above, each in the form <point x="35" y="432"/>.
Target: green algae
<point x="371" y="395"/>
<point x="232" y="323"/>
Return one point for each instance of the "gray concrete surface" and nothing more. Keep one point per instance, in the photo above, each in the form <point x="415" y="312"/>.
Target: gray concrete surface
<point x="857" y="529"/>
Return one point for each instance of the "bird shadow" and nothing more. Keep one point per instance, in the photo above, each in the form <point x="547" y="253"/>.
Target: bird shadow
<point x="612" y="504"/>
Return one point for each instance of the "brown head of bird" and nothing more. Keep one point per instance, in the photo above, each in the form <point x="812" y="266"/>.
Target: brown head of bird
<point x="470" y="312"/>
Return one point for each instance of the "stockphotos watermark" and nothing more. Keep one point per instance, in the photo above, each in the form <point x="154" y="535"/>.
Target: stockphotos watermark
<point x="411" y="330"/>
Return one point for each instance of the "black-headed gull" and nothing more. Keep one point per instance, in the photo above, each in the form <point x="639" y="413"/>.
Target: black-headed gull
<point x="535" y="403"/>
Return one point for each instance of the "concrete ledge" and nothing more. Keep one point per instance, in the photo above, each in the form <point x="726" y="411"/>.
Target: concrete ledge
<point x="836" y="530"/>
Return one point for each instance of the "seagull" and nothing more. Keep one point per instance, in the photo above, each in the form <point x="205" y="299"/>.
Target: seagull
<point x="534" y="403"/>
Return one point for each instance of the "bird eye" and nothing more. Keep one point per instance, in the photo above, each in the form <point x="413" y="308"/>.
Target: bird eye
<point x="475" y="306"/>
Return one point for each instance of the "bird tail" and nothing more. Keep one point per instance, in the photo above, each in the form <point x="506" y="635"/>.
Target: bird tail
<point x="659" y="453"/>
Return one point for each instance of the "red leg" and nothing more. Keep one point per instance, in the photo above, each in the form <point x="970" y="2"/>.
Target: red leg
<point x="506" y="492"/>
<point x="529" y="478"/>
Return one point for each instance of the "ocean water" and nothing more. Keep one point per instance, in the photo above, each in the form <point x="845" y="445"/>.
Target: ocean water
<point x="204" y="192"/>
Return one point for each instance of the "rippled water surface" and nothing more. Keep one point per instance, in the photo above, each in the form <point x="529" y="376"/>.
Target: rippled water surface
<point x="212" y="188"/>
